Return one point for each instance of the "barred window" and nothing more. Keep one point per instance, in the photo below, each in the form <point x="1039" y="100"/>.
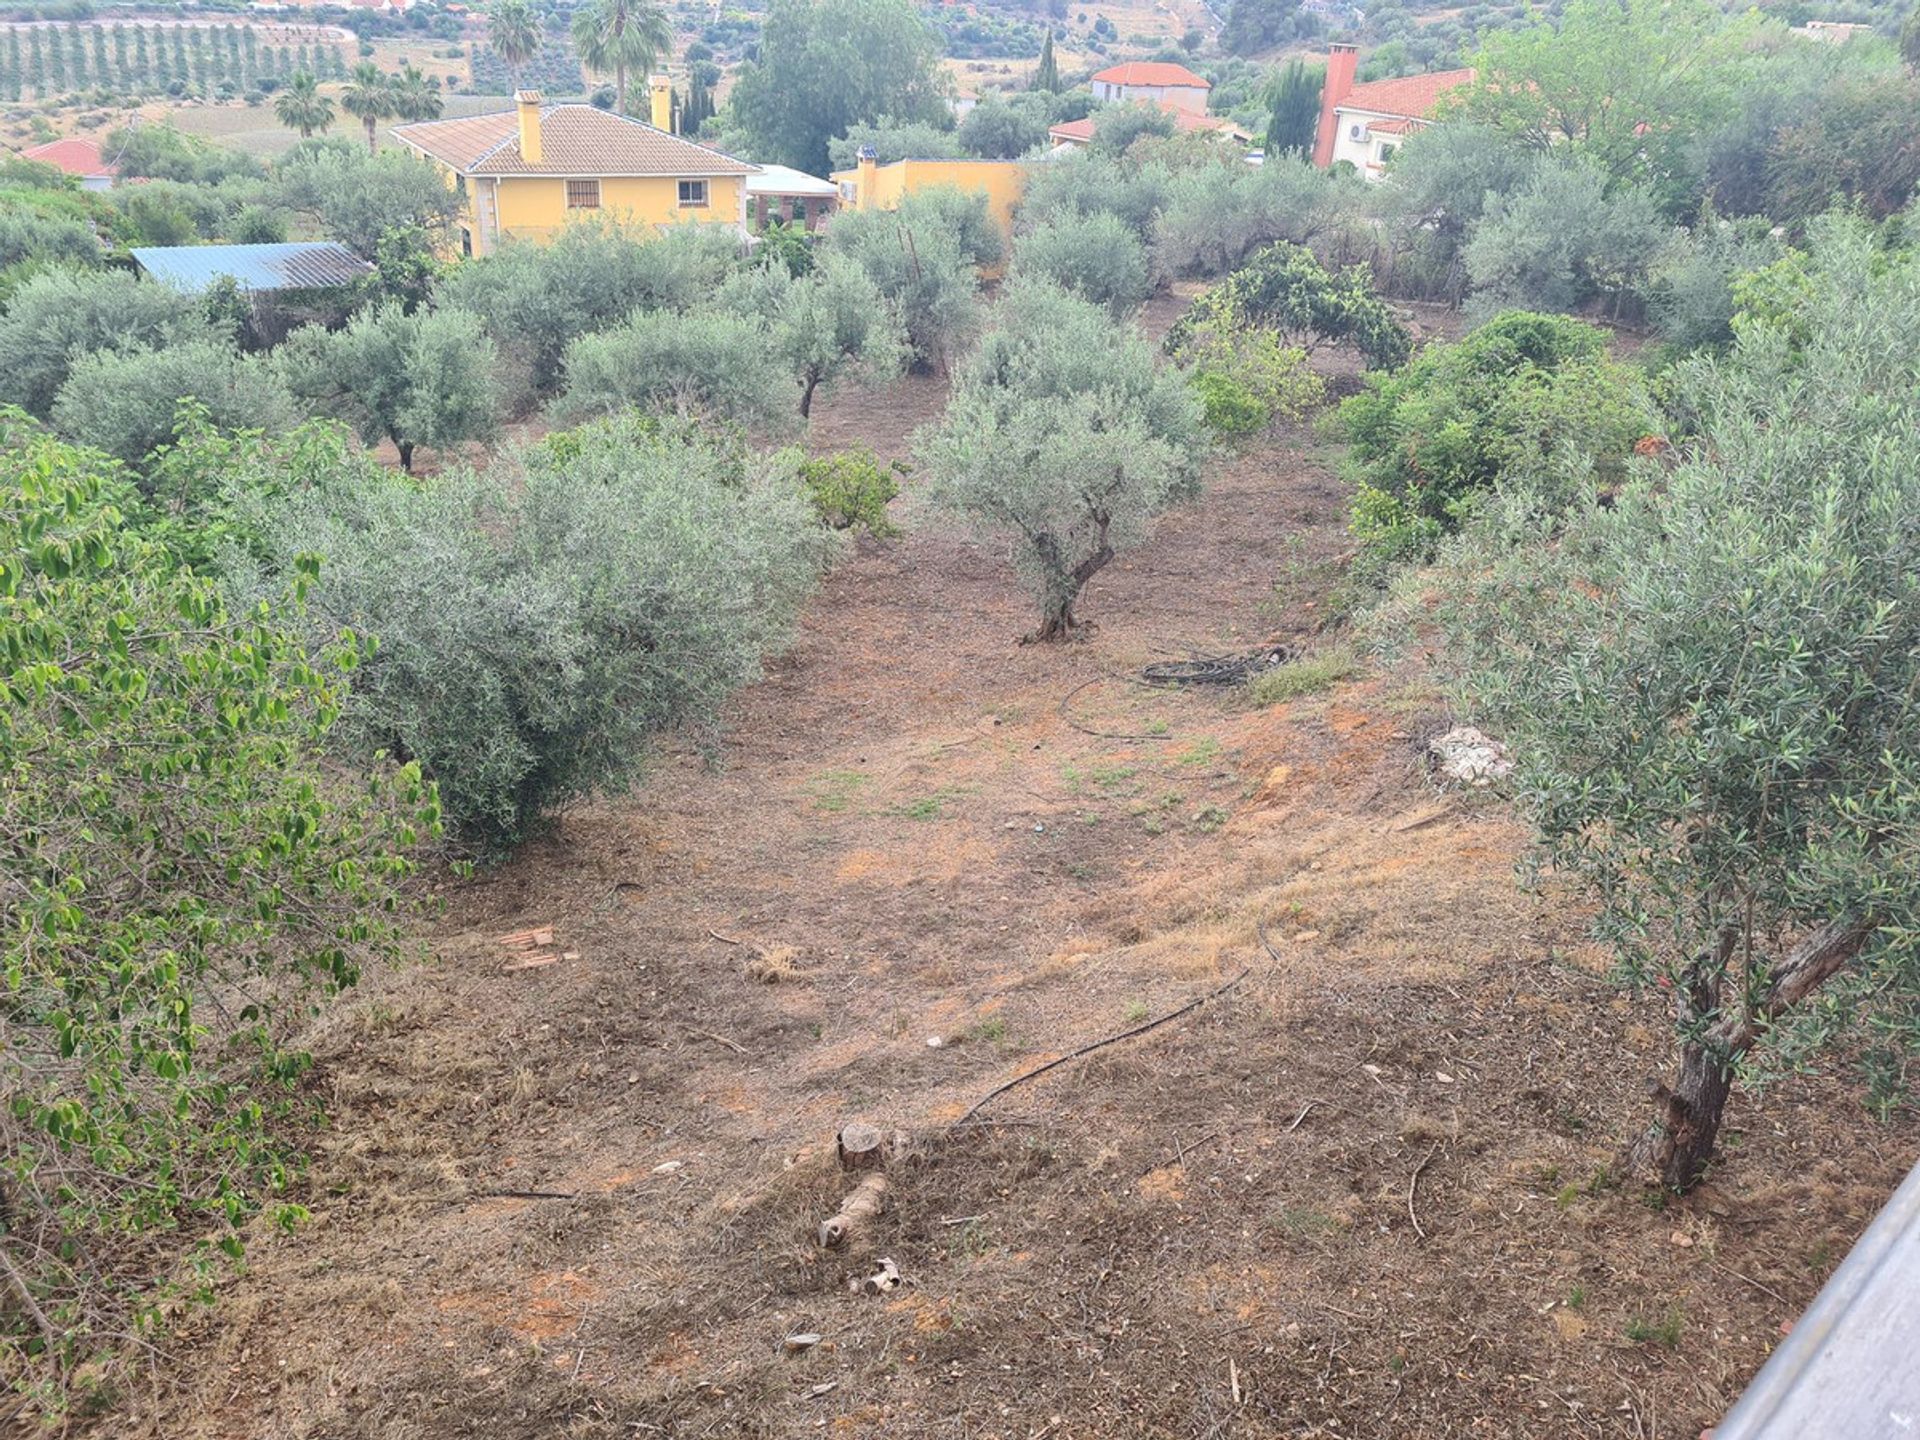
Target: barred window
<point x="583" y="194"/>
<point x="693" y="193"/>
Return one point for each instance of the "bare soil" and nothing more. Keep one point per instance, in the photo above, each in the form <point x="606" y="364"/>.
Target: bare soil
<point x="1369" y="1191"/>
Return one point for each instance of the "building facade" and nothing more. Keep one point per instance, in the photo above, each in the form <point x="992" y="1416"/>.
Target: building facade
<point x="528" y="172"/>
<point x="1156" y="82"/>
<point x="1363" y="125"/>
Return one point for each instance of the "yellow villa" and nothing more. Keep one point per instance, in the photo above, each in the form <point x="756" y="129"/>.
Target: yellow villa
<point x="528" y="171"/>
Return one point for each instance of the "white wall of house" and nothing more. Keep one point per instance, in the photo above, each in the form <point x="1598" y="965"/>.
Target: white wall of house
<point x="1191" y="98"/>
<point x="1355" y="142"/>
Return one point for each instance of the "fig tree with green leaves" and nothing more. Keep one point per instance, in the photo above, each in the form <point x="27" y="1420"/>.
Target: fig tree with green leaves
<point x="186" y="880"/>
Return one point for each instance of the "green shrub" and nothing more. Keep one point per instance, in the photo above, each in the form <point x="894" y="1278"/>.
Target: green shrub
<point x="851" y="489"/>
<point x="188" y="879"/>
<point x="1247" y="378"/>
<point x="1513" y="401"/>
<point x="1228" y="405"/>
<point x="1286" y="289"/>
<point x="1308" y="675"/>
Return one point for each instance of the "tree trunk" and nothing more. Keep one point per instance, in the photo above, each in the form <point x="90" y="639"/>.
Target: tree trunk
<point x="405" y="448"/>
<point x="1680" y="1142"/>
<point x="373" y="141"/>
<point x="807" y="387"/>
<point x="620" y="89"/>
<point x="1678" y="1145"/>
<point x="1056" y="620"/>
<point x="1056" y="613"/>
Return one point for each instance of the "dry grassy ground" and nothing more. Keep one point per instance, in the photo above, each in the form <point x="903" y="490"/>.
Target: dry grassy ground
<point x="1365" y="1193"/>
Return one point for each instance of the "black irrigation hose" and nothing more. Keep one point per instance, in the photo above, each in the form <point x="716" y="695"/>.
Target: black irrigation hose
<point x="1217" y="669"/>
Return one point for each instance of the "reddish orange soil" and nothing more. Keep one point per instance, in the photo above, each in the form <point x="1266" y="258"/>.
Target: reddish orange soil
<point x="1366" y="1193"/>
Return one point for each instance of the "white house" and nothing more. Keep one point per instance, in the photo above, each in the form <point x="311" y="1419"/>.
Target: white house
<point x="1156" y="82"/>
<point x="1364" y="124"/>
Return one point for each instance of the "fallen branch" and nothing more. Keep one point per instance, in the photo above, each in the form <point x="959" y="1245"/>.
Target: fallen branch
<point x="733" y="1045"/>
<point x="1039" y="1070"/>
<point x="868" y="1199"/>
<point x="1413" y="1182"/>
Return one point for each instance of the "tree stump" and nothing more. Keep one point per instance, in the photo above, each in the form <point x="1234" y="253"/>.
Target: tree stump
<point x="862" y="1147"/>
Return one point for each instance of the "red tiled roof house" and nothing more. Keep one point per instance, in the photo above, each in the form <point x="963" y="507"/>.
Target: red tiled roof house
<point x="1154" y="81"/>
<point x="1364" y="124"/>
<point x="77" y="157"/>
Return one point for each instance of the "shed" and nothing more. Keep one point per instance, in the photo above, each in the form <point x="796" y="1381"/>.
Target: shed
<point x="780" y="192"/>
<point x="256" y="269"/>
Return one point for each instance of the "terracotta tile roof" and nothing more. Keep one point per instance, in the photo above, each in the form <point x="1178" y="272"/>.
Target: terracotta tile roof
<point x="1151" y="72"/>
<point x="574" y="140"/>
<point x="73" y="155"/>
<point x="1411" y="96"/>
<point x="1080" y="132"/>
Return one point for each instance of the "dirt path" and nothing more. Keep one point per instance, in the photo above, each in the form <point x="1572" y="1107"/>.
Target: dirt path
<point x="1366" y="1193"/>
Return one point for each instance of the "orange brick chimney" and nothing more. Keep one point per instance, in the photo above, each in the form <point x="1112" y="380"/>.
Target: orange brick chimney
<point x="1342" y="62"/>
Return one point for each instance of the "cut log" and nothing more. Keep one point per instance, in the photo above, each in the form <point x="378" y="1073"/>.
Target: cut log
<point x="868" y="1199"/>
<point x="862" y="1147"/>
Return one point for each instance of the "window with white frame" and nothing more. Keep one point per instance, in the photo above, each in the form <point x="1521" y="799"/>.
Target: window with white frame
<point x="693" y="194"/>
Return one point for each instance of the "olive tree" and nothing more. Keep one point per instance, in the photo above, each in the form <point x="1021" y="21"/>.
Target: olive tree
<point x="827" y="325"/>
<point x="540" y="623"/>
<point x="538" y="299"/>
<point x="422" y="379"/>
<point x="704" y="363"/>
<point x="1711" y="686"/>
<point x="125" y="402"/>
<point x="1097" y="257"/>
<point x="926" y="266"/>
<point x="57" y="316"/>
<point x="1063" y="434"/>
<point x="357" y="198"/>
<point x="1565" y="237"/>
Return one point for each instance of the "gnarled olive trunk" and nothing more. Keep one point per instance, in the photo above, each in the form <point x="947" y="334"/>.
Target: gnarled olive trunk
<point x="1719" y="1027"/>
<point x="1056" y="610"/>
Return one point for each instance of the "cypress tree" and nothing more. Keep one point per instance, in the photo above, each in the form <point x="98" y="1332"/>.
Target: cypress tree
<point x="249" y="55"/>
<point x="56" y="62"/>
<point x="142" y="59"/>
<point x="1046" y="75"/>
<point x="1295" y="115"/>
<point x="36" y="65"/>
<point x="101" y="74"/>
<point x="77" y="55"/>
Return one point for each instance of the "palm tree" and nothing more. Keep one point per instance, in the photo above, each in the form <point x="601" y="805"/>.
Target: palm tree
<point x="413" y="97"/>
<point x="621" y="35"/>
<point x="368" y="96"/>
<point x="302" y="107"/>
<point x="514" y="35"/>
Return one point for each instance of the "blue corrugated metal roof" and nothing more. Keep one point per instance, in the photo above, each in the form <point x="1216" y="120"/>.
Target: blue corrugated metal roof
<point x="294" y="265"/>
